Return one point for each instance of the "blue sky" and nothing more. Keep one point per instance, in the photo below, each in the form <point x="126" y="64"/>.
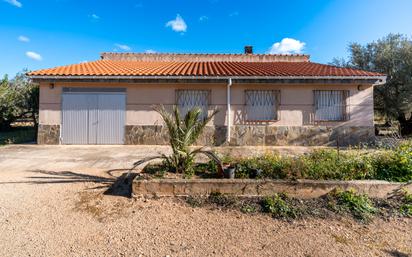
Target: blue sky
<point x="38" y="34"/>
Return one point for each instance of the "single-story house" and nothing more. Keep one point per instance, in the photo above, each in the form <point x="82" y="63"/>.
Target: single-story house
<point x="263" y="99"/>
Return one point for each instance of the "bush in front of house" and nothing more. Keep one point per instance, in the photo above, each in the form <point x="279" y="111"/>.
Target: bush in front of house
<point x="394" y="165"/>
<point x="269" y="165"/>
<point x="330" y="164"/>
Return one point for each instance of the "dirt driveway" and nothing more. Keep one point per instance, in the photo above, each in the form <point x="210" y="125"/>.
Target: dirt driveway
<point x="52" y="204"/>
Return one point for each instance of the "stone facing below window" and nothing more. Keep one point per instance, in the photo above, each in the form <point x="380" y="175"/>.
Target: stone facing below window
<point x="241" y="135"/>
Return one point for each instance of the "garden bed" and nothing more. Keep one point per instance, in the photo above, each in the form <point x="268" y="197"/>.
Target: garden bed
<point x="394" y="165"/>
<point x="336" y="203"/>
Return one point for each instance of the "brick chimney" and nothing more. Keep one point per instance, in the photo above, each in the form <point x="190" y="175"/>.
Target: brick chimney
<point x="248" y="49"/>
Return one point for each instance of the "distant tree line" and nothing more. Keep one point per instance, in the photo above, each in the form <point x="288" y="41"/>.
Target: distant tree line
<point x="391" y="55"/>
<point x="19" y="98"/>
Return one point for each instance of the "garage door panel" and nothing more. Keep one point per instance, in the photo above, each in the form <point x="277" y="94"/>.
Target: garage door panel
<point x="93" y="118"/>
<point x="111" y="118"/>
<point x="75" y="119"/>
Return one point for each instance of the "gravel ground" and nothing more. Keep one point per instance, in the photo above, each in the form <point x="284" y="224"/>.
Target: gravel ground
<point x="63" y="212"/>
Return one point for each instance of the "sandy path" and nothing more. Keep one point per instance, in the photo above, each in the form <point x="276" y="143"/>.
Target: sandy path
<point x="73" y="219"/>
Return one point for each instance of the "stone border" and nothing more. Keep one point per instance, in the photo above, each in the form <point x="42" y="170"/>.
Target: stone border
<point x="304" y="189"/>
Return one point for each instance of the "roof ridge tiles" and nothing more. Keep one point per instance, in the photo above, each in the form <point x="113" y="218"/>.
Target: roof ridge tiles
<point x="196" y="57"/>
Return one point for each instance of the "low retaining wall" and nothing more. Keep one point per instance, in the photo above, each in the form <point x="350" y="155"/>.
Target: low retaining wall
<point x="303" y="189"/>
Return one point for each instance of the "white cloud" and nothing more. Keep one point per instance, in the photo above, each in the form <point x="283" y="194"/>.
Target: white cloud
<point x="203" y="18"/>
<point x="178" y="24"/>
<point x="23" y="39"/>
<point x="34" y="56"/>
<point x="287" y="46"/>
<point x="14" y="2"/>
<point x="123" y="47"/>
<point x="233" y="14"/>
<point x="95" y="17"/>
<point x="150" y="51"/>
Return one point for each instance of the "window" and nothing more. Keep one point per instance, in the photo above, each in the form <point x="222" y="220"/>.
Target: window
<point x="330" y="105"/>
<point x="188" y="99"/>
<point x="262" y="105"/>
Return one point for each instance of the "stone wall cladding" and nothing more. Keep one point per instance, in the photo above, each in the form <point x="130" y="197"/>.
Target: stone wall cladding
<point x="157" y="135"/>
<point x="48" y="134"/>
<point x="245" y="135"/>
<point x="146" y="135"/>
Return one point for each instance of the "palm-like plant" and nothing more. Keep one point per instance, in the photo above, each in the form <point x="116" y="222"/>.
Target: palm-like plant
<point x="182" y="134"/>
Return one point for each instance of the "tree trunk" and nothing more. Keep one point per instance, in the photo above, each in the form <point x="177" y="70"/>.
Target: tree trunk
<point x="405" y="125"/>
<point x="36" y="125"/>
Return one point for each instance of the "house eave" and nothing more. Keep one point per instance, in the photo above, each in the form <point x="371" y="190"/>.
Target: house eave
<point x="222" y="79"/>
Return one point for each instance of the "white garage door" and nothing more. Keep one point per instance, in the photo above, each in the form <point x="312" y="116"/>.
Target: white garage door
<point x="93" y="116"/>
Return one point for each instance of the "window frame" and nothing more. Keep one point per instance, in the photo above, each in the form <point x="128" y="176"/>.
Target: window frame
<point x="277" y="97"/>
<point x="345" y="113"/>
<point x="208" y="91"/>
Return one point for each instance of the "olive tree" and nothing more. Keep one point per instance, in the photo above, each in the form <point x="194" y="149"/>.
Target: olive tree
<point x="391" y="55"/>
<point x="19" y="98"/>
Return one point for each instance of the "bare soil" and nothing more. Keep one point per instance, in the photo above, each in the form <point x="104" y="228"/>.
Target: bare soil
<point x="61" y="210"/>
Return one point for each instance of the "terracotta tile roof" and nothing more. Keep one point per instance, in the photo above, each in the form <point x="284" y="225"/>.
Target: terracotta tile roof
<point x="196" y="68"/>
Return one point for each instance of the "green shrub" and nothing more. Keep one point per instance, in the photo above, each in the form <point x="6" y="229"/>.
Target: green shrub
<point x="278" y="206"/>
<point x="330" y="164"/>
<point x="209" y="167"/>
<point x="272" y="166"/>
<point x="395" y="165"/>
<point x="406" y="206"/>
<point x="360" y="206"/>
<point x="391" y="165"/>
